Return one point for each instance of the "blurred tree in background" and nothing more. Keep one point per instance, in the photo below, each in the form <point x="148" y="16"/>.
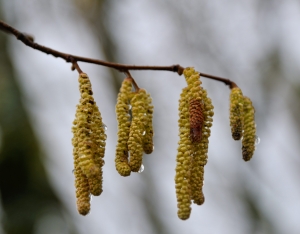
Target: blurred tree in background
<point x="27" y="197"/>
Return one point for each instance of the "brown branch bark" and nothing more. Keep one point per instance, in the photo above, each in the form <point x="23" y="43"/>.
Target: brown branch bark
<point x="29" y="41"/>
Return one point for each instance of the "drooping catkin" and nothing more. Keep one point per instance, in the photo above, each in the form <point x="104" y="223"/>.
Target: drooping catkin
<point x="148" y="145"/>
<point x="123" y="118"/>
<point x="195" y="119"/>
<point x="248" y="142"/>
<point x="201" y="112"/>
<point x="137" y="128"/>
<point x="97" y="146"/>
<point x="200" y="152"/>
<point x="89" y="146"/>
<point x="236" y="113"/>
<point x="183" y="159"/>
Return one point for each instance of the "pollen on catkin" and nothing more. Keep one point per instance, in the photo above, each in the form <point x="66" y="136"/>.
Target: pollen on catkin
<point x="123" y="118"/>
<point x="236" y="113"/>
<point x="137" y="128"/>
<point x="89" y="146"/>
<point x="248" y="142"/>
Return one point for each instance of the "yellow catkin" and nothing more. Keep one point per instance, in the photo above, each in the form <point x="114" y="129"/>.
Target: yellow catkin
<point x="248" y="142"/>
<point x="123" y="118"/>
<point x="193" y="143"/>
<point x="137" y="128"/>
<point x="148" y="145"/>
<point x="183" y="159"/>
<point x="200" y="116"/>
<point x="236" y="113"/>
<point x="200" y="152"/>
<point x="98" y="138"/>
<point x="89" y="143"/>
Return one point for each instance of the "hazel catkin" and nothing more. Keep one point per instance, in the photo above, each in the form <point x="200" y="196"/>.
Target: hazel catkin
<point x="148" y="145"/>
<point x="135" y="136"/>
<point x="183" y="159"/>
<point x="137" y="129"/>
<point x="236" y="113"/>
<point x="89" y="146"/>
<point x="123" y="118"/>
<point x="248" y="142"/>
<point x="195" y="119"/>
<point x="200" y="152"/>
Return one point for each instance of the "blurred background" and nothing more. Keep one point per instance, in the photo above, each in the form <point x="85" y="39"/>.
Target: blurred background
<point x="254" y="43"/>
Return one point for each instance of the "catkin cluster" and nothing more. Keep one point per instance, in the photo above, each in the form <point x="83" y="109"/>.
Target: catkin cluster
<point x="242" y="122"/>
<point x="135" y="135"/>
<point x="134" y="112"/>
<point x="195" y="120"/>
<point x="89" y="147"/>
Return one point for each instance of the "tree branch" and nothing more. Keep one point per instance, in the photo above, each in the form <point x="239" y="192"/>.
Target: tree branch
<point x="29" y="41"/>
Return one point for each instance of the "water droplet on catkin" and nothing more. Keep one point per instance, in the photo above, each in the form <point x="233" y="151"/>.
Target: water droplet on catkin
<point x="257" y="140"/>
<point x="104" y="126"/>
<point x="144" y="132"/>
<point x="141" y="169"/>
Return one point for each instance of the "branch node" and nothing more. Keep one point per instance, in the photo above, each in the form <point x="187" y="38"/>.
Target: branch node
<point x="29" y="37"/>
<point x="179" y="69"/>
<point x="74" y="64"/>
<point x="69" y="59"/>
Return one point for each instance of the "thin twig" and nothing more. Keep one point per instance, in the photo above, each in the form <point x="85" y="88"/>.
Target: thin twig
<point x="29" y="41"/>
<point x="75" y="65"/>
<point x="129" y="77"/>
<point x="228" y="82"/>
